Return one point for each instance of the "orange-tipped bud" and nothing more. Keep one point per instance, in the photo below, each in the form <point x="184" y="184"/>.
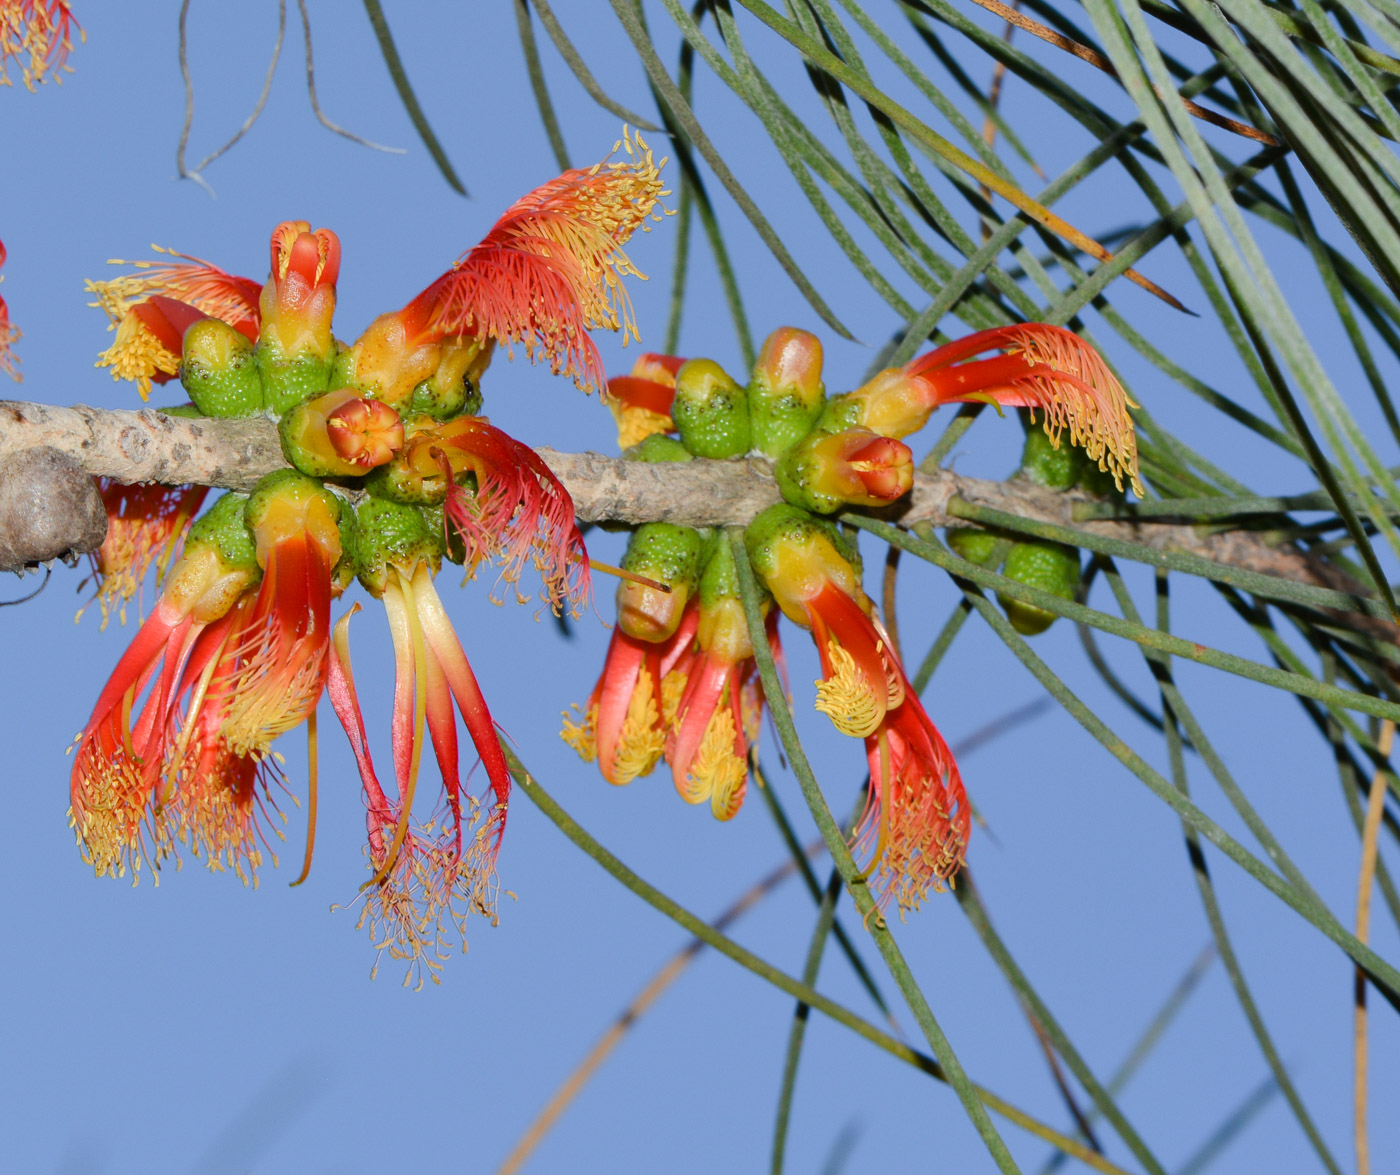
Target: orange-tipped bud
<point x="364" y="432"/>
<point x="786" y="392"/>
<point x="393" y="356"/>
<point x="857" y="467"/>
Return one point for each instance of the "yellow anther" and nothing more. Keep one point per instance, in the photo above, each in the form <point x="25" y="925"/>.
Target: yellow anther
<point x="846" y="698"/>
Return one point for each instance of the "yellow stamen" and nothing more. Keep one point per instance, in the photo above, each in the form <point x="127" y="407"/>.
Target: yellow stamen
<point x="581" y="734"/>
<point x="136" y="354"/>
<point x="634" y="425"/>
<point x="717" y="773"/>
<point x="642" y="739"/>
<point x="845" y="696"/>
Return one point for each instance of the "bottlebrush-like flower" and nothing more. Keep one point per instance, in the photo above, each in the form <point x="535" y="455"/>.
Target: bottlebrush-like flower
<point x="816" y="582"/>
<point x="718" y="713"/>
<point x="547" y="273"/>
<point x="426" y="877"/>
<point x="39" y="30"/>
<point x="145" y="526"/>
<point x="120" y="758"/>
<point x="9" y="334"/>
<point x="641" y="402"/>
<point x="916" y="820"/>
<point x="623" y="726"/>
<point x="277" y="653"/>
<point x="518" y="512"/>
<point x="1043" y="368"/>
<point x="149" y="331"/>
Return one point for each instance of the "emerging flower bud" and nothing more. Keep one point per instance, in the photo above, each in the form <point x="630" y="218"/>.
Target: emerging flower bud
<point x="786" y="392"/>
<point x="825" y="471"/>
<point x="295" y="350"/>
<point x="892" y="404"/>
<point x="455" y="387"/>
<point x="667" y="553"/>
<point x="711" y="410"/>
<point x="340" y="434"/>
<point x="1052" y="567"/>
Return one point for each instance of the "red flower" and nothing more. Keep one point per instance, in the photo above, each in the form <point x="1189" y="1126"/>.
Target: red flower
<point x="145" y="526"/>
<point x="151" y="308"/>
<point x="427" y="878"/>
<point x="547" y="273"/>
<point x="1045" y="368"/>
<point x="632" y="707"/>
<point x="641" y="402"/>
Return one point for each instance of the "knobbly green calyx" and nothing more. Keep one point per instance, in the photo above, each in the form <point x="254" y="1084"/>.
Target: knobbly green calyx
<point x="223" y="528"/>
<point x="711" y="411"/>
<point x="1052" y="567"/>
<point x="1056" y="466"/>
<point x="670" y="555"/>
<point x="218" y="371"/>
<point x="658" y="448"/>
<point x="976" y="546"/>
<point x="289" y="379"/>
<point x="389" y="535"/>
<point x="785" y="392"/>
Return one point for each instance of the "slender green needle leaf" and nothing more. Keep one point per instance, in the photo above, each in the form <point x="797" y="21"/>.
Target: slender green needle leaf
<point x="407" y="96"/>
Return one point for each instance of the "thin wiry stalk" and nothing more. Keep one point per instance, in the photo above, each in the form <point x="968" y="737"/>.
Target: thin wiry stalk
<point x="784" y="982"/>
<point x="196" y="173"/>
<point x="855" y="884"/>
<point x="316" y="102"/>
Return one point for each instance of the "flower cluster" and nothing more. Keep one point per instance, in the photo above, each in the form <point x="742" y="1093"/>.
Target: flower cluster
<point x="679" y="677"/>
<point x="393" y="474"/>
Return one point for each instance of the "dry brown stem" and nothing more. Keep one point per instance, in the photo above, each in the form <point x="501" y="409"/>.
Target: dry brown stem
<point x="150" y="446"/>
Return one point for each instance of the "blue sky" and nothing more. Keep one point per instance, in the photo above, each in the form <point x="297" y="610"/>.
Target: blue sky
<point x="200" y="1026"/>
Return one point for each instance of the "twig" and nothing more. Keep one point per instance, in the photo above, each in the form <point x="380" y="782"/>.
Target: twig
<point x="146" y="445"/>
<point x="1370" y="837"/>
<point x="197" y="173"/>
<point x="316" y="104"/>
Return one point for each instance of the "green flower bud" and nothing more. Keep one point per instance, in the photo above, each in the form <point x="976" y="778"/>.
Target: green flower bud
<point x="795" y="553"/>
<point x="1057" y="466"/>
<point x="671" y="555"/>
<point x="389" y="535"/>
<point x="976" y="546"/>
<point x="1052" y="567"/>
<point x="786" y="392"/>
<point x="825" y="471"/>
<point x="218" y="371"/>
<point x="658" y="448"/>
<point x="224" y="529"/>
<point x="711" y="411"/>
<point x="289" y="379"/>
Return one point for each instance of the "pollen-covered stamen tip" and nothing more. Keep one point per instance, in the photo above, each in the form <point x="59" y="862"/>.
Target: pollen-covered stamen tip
<point x="365" y="432"/>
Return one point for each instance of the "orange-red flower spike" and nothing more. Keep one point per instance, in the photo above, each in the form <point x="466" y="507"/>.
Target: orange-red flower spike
<point x="548" y="272"/>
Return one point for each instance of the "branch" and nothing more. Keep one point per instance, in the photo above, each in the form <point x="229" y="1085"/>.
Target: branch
<point x="149" y="446"/>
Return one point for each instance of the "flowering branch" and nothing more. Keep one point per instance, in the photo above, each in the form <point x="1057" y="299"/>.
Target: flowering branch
<point x="147" y="445"/>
